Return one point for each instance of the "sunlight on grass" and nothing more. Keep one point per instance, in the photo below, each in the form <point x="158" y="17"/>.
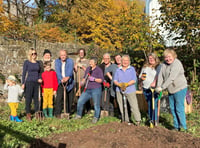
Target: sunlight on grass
<point x="14" y="134"/>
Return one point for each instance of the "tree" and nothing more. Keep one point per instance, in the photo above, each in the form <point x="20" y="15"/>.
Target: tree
<point x="183" y="18"/>
<point x="4" y="21"/>
<point x="18" y="10"/>
<point x="111" y="24"/>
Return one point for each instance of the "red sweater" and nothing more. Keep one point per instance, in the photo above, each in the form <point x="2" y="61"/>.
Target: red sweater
<point x="49" y="80"/>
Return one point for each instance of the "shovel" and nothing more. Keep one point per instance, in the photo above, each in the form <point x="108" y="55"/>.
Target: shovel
<point x="64" y="115"/>
<point x="105" y="113"/>
<point x="160" y="95"/>
<point x="39" y="114"/>
<point x="78" y="93"/>
<point x="124" y="105"/>
<point x="153" y="107"/>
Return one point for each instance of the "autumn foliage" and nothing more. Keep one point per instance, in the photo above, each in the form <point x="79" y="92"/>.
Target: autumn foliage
<point x="110" y="24"/>
<point x="5" y="23"/>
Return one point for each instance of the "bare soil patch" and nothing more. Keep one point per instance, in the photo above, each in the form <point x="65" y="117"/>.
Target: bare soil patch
<point x="119" y="135"/>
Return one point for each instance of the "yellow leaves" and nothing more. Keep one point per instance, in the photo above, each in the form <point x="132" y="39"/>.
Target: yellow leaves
<point x="51" y="33"/>
<point x="97" y="23"/>
<point x="110" y="24"/>
<point x="4" y="21"/>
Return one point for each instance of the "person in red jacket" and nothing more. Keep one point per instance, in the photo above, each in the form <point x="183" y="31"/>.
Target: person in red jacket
<point x="49" y="88"/>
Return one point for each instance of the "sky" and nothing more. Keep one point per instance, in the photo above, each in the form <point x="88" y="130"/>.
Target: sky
<point x="31" y="3"/>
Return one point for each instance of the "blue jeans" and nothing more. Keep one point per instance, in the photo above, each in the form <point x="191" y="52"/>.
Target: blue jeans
<point x="176" y="103"/>
<point x="95" y="94"/>
<point x="148" y="97"/>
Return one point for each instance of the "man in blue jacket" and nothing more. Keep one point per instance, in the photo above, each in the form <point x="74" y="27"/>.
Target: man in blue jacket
<point x="64" y="71"/>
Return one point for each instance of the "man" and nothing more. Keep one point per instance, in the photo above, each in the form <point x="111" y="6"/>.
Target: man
<point x="108" y="92"/>
<point x="47" y="57"/>
<point x="92" y="79"/>
<point x="124" y="79"/>
<point x="64" y="70"/>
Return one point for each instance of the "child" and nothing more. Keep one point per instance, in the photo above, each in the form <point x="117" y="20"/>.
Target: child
<point x="14" y="91"/>
<point x="49" y="88"/>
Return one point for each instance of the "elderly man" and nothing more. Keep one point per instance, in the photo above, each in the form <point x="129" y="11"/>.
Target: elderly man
<point x="47" y="57"/>
<point x="108" y="92"/>
<point x="124" y="79"/>
<point x="92" y="80"/>
<point x="64" y="70"/>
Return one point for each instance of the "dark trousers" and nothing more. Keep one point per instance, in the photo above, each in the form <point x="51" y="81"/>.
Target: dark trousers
<point x="59" y="102"/>
<point x="107" y="101"/>
<point x="31" y="92"/>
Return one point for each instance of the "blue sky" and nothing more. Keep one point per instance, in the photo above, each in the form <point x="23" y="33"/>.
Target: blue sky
<point x="31" y="3"/>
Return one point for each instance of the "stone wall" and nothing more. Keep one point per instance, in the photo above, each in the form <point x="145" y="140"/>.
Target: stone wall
<point x="14" y="52"/>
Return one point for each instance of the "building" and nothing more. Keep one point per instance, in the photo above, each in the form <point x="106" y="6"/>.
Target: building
<point x="152" y="9"/>
<point x="19" y="11"/>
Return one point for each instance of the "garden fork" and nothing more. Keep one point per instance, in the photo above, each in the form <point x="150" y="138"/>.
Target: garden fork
<point x="39" y="114"/>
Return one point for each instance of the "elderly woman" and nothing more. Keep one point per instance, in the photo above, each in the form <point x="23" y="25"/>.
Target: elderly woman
<point x="31" y="77"/>
<point x="93" y="79"/>
<point x="124" y="79"/>
<point x="172" y="78"/>
<point x="149" y="75"/>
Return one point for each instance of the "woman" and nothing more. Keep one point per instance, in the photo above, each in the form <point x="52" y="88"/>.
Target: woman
<point x="124" y="79"/>
<point x="93" y="78"/>
<point x="149" y="75"/>
<point x="31" y="77"/>
<point x="172" y="78"/>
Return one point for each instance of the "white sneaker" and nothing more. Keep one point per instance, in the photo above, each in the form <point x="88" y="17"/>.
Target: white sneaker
<point x="94" y="120"/>
<point x="77" y="117"/>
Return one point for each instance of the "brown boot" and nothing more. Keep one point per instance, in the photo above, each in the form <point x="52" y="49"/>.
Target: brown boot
<point x="137" y="123"/>
<point x="58" y="116"/>
<point x="28" y="116"/>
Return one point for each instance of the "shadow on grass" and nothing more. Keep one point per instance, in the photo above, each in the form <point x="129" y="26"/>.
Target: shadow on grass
<point x="165" y="123"/>
<point x="35" y="143"/>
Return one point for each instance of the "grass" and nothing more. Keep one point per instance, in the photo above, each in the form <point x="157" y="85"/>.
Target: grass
<point x="14" y="134"/>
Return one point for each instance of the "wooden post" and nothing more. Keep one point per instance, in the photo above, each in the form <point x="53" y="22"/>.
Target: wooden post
<point x="142" y="104"/>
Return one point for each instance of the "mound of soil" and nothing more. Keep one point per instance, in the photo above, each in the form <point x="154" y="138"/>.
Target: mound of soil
<point x="119" y="135"/>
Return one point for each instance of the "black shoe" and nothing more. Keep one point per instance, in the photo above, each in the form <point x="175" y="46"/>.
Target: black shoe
<point x="183" y="130"/>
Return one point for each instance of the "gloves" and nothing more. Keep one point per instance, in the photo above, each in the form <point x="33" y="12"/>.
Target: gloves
<point x="158" y="89"/>
<point x="82" y="83"/>
<point x="106" y="84"/>
<point x="91" y="78"/>
<point x="123" y="86"/>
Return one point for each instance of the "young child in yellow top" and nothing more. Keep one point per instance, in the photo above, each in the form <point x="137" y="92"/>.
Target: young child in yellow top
<point x="14" y="91"/>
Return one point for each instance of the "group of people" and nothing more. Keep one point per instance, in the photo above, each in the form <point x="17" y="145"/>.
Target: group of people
<point x="106" y="85"/>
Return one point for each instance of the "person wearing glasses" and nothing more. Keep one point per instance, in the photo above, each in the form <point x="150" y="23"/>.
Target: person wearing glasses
<point x="31" y="79"/>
